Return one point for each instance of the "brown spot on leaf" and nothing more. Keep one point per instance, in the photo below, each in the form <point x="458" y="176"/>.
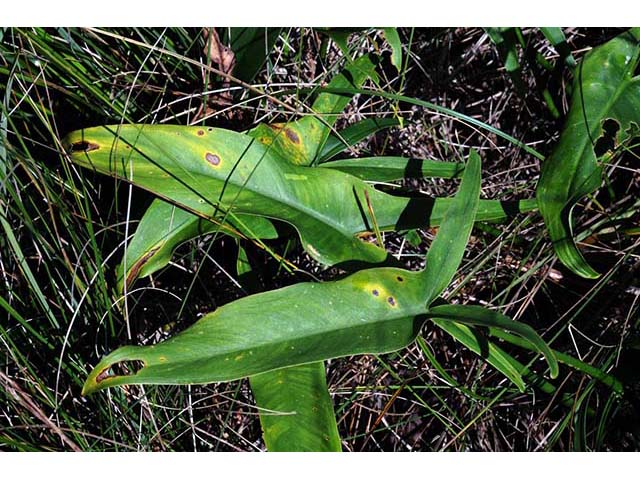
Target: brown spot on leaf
<point x="102" y="375"/>
<point x="83" y="146"/>
<point x="399" y="278"/>
<point x="212" y="159"/>
<point x="392" y="301"/>
<point x="135" y="270"/>
<point x="200" y="133"/>
<point x="375" y="293"/>
<point x="291" y="135"/>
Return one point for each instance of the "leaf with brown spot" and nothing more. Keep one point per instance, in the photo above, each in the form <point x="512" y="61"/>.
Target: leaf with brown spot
<point x="300" y="324"/>
<point x="327" y="207"/>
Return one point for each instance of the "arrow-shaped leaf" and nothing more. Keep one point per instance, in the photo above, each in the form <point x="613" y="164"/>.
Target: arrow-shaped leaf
<point x="211" y="172"/>
<point x="296" y="325"/>
<point x="163" y="228"/>
<point x="604" y="113"/>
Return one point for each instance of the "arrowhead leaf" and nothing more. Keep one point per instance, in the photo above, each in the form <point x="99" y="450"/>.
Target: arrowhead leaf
<point x="297" y="325"/>
<point x="605" y="90"/>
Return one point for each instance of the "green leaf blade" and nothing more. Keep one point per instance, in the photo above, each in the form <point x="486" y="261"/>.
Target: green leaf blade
<point x="605" y="89"/>
<point x="213" y="171"/>
<point x="338" y="143"/>
<point x="164" y="227"/>
<point x="478" y="316"/>
<point x="446" y="251"/>
<point x="291" y="326"/>
<point x="493" y="355"/>
<point x="296" y="410"/>
<point x="393" y="39"/>
<point x="388" y="169"/>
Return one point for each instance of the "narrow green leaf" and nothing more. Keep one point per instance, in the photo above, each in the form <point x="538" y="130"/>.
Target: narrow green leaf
<point x="478" y="316"/>
<point x="338" y="143"/>
<point x="493" y="354"/>
<point x="436" y="108"/>
<point x="593" y="372"/>
<point x="556" y="37"/>
<point x="388" y="169"/>
<point x="3" y="148"/>
<point x="393" y="39"/>
<point x="296" y="410"/>
<point x="446" y="251"/>
<point x="604" y="113"/>
<point x="506" y="40"/>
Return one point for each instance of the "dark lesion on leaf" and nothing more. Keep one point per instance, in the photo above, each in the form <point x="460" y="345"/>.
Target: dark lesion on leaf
<point x="83" y="146"/>
<point x="212" y="158"/>
<point x="292" y="135"/>
<point x="135" y="269"/>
